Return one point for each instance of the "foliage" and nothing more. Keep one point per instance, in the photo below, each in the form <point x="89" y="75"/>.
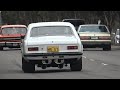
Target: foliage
<point x="109" y="18"/>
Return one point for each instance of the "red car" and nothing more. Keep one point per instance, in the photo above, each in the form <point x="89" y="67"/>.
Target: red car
<point x="10" y="35"/>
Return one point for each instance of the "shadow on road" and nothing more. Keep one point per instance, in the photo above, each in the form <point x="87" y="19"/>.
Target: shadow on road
<point x="52" y="71"/>
<point x="11" y="49"/>
<point x="37" y="71"/>
<point x="92" y="49"/>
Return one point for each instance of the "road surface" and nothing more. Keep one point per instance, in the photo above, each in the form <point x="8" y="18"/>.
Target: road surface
<point x="97" y="64"/>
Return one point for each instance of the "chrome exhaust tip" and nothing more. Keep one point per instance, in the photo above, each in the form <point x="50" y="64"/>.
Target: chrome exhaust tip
<point x="60" y="66"/>
<point x="46" y="61"/>
<point x="59" y="61"/>
<point x="44" y="66"/>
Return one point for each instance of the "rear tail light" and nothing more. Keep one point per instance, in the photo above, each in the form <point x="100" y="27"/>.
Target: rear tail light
<point x="72" y="47"/>
<point x="33" y="49"/>
<point x="84" y="37"/>
<point x="104" y="38"/>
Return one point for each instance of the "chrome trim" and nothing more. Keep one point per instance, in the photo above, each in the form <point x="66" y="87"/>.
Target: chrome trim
<point x="50" y="57"/>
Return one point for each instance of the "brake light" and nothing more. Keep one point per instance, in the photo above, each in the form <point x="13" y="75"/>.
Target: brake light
<point x="104" y="38"/>
<point x="33" y="49"/>
<point x="84" y="37"/>
<point x="72" y="47"/>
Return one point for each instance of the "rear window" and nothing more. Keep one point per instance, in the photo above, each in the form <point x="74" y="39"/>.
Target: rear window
<point x="93" y="29"/>
<point x="51" y="31"/>
<point x="14" y="30"/>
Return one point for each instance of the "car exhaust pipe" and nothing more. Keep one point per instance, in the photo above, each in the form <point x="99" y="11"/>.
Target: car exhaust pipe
<point x="44" y="66"/>
<point x="46" y="61"/>
<point x="60" y="66"/>
<point x="59" y="61"/>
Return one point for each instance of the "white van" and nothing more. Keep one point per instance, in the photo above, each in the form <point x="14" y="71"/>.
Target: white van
<point x="117" y="37"/>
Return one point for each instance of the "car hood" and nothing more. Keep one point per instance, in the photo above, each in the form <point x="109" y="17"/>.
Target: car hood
<point x="52" y="40"/>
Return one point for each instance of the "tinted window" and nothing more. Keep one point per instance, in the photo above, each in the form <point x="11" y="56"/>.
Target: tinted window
<point x="51" y="31"/>
<point x="76" y="22"/>
<point x="93" y="29"/>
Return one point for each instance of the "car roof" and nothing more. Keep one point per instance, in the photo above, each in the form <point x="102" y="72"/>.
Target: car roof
<point x="6" y="26"/>
<point x="50" y="24"/>
<point x="93" y="25"/>
<point x="72" y="19"/>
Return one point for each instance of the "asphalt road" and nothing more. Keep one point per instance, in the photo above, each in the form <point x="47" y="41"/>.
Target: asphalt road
<point x="97" y="64"/>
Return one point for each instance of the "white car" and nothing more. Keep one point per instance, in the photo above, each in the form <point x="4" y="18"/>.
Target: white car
<point x="51" y="44"/>
<point x="95" y="36"/>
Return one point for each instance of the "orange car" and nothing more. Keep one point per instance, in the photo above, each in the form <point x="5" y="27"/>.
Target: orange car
<point x="10" y="35"/>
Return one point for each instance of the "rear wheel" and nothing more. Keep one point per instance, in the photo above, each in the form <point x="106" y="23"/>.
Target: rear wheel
<point x="77" y="65"/>
<point x="107" y="48"/>
<point x="27" y="67"/>
<point x="1" y="48"/>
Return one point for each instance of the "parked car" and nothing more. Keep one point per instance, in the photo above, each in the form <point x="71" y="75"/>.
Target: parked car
<point x="51" y="44"/>
<point x="10" y="35"/>
<point x="75" y="22"/>
<point x="95" y="35"/>
<point x="117" y="37"/>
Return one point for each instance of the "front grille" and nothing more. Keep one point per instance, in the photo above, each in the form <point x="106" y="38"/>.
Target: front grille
<point x="10" y="38"/>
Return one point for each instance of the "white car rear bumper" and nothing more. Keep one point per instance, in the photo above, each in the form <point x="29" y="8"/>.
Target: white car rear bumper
<point x="52" y="56"/>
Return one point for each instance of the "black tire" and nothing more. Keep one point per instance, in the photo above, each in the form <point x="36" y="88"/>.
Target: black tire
<point x="27" y="67"/>
<point x="1" y="48"/>
<point x="107" y="48"/>
<point x="77" y="65"/>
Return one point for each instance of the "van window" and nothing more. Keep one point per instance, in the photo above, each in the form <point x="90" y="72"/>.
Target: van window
<point x="75" y="22"/>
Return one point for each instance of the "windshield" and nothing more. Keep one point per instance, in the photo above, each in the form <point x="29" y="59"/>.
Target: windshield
<point x="14" y="30"/>
<point x="51" y="31"/>
<point x="93" y="29"/>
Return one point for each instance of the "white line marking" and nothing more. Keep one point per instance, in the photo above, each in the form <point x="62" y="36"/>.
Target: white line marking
<point x="92" y="60"/>
<point x="84" y="56"/>
<point x="104" y="64"/>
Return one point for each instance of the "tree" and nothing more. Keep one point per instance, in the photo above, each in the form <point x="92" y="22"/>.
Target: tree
<point x="109" y="18"/>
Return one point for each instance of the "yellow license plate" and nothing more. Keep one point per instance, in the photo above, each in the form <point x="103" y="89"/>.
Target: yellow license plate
<point x="53" y="49"/>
